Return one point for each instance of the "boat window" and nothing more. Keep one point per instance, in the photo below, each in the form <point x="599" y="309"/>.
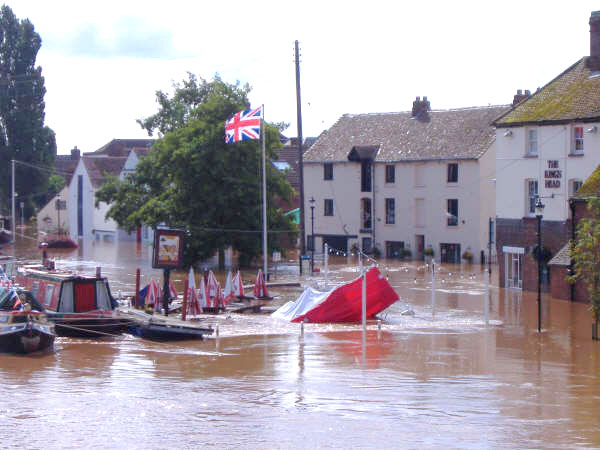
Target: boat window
<point x="102" y="296"/>
<point x="66" y="297"/>
<point x="49" y="291"/>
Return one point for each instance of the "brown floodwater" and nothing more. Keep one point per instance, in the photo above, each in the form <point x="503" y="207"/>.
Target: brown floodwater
<point x="440" y="378"/>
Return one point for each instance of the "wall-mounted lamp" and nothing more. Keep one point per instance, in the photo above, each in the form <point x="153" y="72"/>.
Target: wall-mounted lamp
<point x="593" y="129"/>
<point x="508" y="133"/>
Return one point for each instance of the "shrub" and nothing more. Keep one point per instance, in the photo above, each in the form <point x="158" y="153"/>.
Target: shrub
<point x="429" y="251"/>
<point x="467" y="256"/>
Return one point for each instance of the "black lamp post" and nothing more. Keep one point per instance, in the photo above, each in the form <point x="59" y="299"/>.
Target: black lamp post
<point x="539" y="209"/>
<point x="312" y="234"/>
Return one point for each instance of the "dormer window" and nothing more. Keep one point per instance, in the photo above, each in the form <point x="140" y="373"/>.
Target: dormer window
<point x="532" y="142"/>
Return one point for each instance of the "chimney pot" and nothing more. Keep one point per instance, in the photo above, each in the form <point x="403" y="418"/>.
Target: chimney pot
<point x="593" y="62"/>
<point x="519" y="92"/>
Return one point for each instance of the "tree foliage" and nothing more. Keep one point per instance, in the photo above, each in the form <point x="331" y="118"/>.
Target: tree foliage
<point x="585" y="255"/>
<point x="192" y="179"/>
<point x="23" y="136"/>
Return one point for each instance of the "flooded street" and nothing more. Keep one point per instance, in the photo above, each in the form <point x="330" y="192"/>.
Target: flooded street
<point x="439" y="378"/>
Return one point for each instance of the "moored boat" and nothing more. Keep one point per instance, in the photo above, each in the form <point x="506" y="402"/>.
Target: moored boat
<point x="79" y="305"/>
<point x="24" y="327"/>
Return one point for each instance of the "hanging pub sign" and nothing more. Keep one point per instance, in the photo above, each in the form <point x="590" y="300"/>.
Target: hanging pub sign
<point x="168" y="248"/>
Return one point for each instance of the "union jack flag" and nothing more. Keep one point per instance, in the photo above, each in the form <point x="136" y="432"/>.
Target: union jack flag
<point x="244" y="125"/>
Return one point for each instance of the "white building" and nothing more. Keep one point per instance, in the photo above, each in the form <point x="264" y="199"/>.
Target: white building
<point x="408" y="180"/>
<point x="118" y="158"/>
<point x="547" y="145"/>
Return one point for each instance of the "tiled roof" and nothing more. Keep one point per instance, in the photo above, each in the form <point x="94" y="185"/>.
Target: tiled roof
<point x="572" y="96"/>
<point x="122" y="147"/>
<point x="65" y="165"/>
<point x="463" y="133"/>
<point x="289" y="154"/>
<point x="563" y="257"/>
<point x="590" y="187"/>
<point x="98" y="167"/>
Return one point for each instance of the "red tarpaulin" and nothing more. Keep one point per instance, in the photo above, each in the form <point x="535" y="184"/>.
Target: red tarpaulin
<point x="343" y="304"/>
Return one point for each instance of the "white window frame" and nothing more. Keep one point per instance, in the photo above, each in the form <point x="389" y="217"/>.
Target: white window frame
<point x="390" y="213"/>
<point x="528" y="197"/>
<point x="575" y="141"/>
<point x="532" y="147"/>
<point x="513" y="259"/>
<point x="574" y="185"/>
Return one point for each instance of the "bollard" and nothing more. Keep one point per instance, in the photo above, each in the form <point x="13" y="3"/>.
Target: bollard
<point x="136" y="298"/>
<point x="379" y="324"/>
<point x="487" y="296"/>
<point x="302" y="328"/>
<point x="98" y="272"/>
<point x="185" y="299"/>
<point x="217" y="330"/>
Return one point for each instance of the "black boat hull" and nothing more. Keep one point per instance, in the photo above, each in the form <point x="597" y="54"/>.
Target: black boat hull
<point x="86" y="325"/>
<point x="27" y="338"/>
<point x="163" y="332"/>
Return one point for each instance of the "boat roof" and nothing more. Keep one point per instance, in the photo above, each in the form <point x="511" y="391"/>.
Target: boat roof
<point x="40" y="271"/>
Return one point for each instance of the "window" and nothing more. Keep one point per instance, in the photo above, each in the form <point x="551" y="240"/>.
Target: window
<point x="328" y="207"/>
<point x="365" y="176"/>
<point x="574" y="186"/>
<point x="532" y="193"/>
<point x="452" y="212"/>
<point x="532" y="142"/>
<point x="390" y="211"/>
<point x="419" y="175"/>
<point x="452" y="173"/>
<point x="365" y="213"/>
<point x="578" y="140"/>
<point x="367" y="244"/>
<point x="390" y="174"/>
<point x="328" y="171"/>
<point x="420" y="212"/>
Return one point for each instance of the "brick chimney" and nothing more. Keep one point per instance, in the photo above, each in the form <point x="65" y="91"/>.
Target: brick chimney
<point x="519" y="96"/>
<point x="420" y="109"/>
<point x="75" y="153"/>
<point x="593" y="62"/>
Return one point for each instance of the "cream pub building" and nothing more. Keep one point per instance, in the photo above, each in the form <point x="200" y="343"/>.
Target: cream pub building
<point x="547" y="145"/>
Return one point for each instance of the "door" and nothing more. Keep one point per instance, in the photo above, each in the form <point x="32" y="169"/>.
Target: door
<point x="513" y="265"/>
<point x="85" y="297"/>
<point x="419" y="246"/>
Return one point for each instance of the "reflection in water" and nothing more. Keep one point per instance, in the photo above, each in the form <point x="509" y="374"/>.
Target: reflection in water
<point x="428" y="380"/>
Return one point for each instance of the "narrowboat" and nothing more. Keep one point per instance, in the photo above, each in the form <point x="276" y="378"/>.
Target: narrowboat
<point x="24" y="326"/>
<point x="79" y="305"/>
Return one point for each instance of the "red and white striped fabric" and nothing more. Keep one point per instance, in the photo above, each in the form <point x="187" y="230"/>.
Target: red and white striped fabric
<point x="213" y="290"/>
<point x="260" y="288"/>
<point x="228" y="293"/>
<point x="193" y="303"/>
<point x="153" y="297"/>
<point x="172" y="291"/>
<point x="202" y="298"/>
<point x="238" y="287"/>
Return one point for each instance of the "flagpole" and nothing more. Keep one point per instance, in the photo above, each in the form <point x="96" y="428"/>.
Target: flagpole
<point x="264" y="189"/>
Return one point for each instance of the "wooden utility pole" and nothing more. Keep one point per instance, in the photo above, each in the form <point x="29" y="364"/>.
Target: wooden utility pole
<point x="300" y="156"/>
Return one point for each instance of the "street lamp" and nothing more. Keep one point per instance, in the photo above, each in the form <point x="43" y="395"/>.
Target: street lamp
<point x="539" y="210"/>
<point x="312" y="234"/>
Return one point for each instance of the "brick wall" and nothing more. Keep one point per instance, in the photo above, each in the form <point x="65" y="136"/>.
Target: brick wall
<point x="560" y="288"/>
<point x="523" y="233"/>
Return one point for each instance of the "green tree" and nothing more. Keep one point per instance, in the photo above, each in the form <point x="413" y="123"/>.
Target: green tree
<point x="192" y="179"/>
<point x="585" y="255"/>
<point x="23" y="136"/>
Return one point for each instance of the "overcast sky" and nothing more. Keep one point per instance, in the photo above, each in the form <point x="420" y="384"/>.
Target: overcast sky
<point x="103" y="61"/>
